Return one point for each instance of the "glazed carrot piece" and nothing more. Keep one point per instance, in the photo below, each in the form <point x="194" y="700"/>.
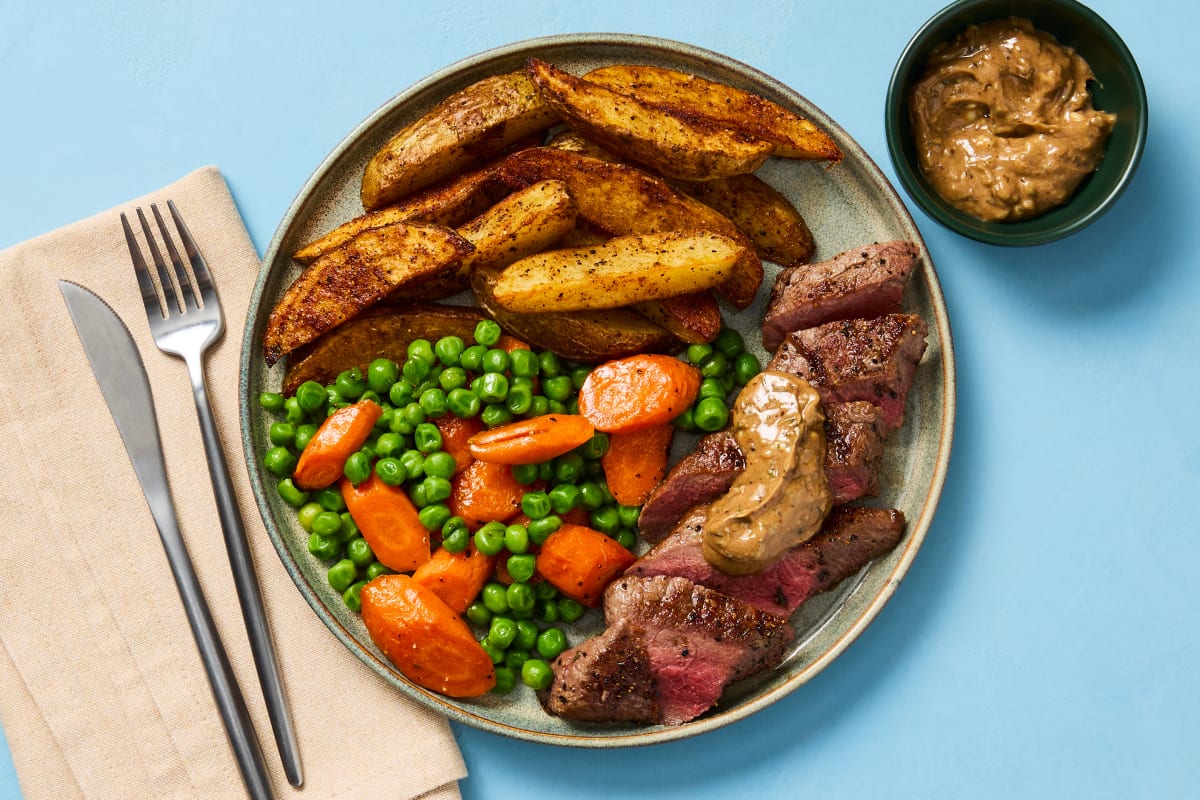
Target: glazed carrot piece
<point x="531" y="441"/>
<point x="509" y="343"/>
<point x="581" y="562"/>
<point x="635" y="462"/>
<point x="638" y="392"/>
<point x="343" y="432"/>
<point x="484" y="492"/>
<point x="428" y="641"/>
<point x="455" y="433"/>
<point x="457" y="578"/>
<point x="388" y="521"/>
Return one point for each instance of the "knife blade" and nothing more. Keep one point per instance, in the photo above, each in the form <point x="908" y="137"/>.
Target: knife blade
<point x="119" y="371"/>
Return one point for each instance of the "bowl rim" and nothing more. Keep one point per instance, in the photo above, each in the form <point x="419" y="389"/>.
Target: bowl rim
<point x="1008" y="233"/>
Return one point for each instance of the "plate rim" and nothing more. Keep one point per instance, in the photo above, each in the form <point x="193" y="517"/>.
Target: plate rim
<point x="917" y="528"/>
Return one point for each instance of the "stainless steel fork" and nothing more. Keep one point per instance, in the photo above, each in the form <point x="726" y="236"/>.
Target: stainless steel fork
<point x="185" y="324"/>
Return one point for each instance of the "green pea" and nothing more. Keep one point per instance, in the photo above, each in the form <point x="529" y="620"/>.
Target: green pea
<point x="342" y="574"/>
<point x="472" y="358"/>
<point x="333" y="398"/>
<point x="602" y="485"/>
<point x="696" y="353"/>
<point x="323" y="547"/>
<point x="280" y="462"/>
<point x="282" y="434"/>
<point x="494" y="653"/>
<point x="536" y="674"/>
<point x="448" y="350"/>
<point x="729" y="342"/>
<point x="595" y="447"/>
<point x="384" y="423"/>
<point x="579" y="374"/>
<point x="455" y="534"/>
<point x="520" y="598"/>
<point x="590" y="495"/>
<point x="495" y="414"/>
<point x="516" y="539"/>
<point x="506" y="681"/>
<point x="525" y="474"/>
<point x="463" y="403"/>
<point x="563" y="498"/>
<point x="487" y="332"/>
<point x="352" y="597"/>
<point x="605" y="520"/>
<point x="413" y="463"/>
<point x="539" y="406"/>
<point x="711" y="387"/>
<point x="492" y="387"/>
<point x="416" y="370"/>
<point x="711" y="414"/>
<point x="628" y="515"/>
<point x="527" y="634"/>
<point x="728" y="381"/>
<point x="521" y="566"/>
<point x="349" y="527"/>
<point x="358" y="551"/>
<point x="327" y="523"/>
<point x="546" y="470"/>
<point x="413" y="414"/>
<point x="375" y="569"/>
<point x="479" y="614"/>
<point x="311" y="396"/>
<point x="440" y="464"/>
<point x="715" y="366"/>
<point x="401" y="393"/>
<point x="568" y="468"/>
<point x="627" y="538"/>
<point x="350" y="384"/>
<point x="489" y="539"/>
<point x="514" y="657"/>
<point x="290" y="494"/>
<point x="495" y="596"/>
<point x="593" y="470"/>
<point x="302" y="435"/>
<point x="547" y="610"/>
<point x="427" y="437"/>
<point x="452" y="378"/>
<point x="745" y="367"/>
<point x="391" y="471"/>
<point x="390" y="444"/>
<point x="550" y="643"/>
<point x="420" y="348"/>
<point x="570" y="610"/>
<point x="545" y="590"/>
<point x="306" y="514"/>
<point x="271" y="401"/>
<point x="357" y="468"/>
<point x="540" y="529"/>
<point x="382" y="373"/>
<point x="437" y="489"/>
<point x="293" y="413"/>
<point x="502" y="631"/>
<point x="558" y="388"/>
<point x="524" y="363"/>
<point x="557" y="407"/>
<point x="417" y="495"/>
<point x="548" y="365"/>
<point x="433" y="403"/>
<point x="519" y="399"/>
<point x="496" y="360"/>
<point x="434" y="515"/>
<point x="685" y="421"/>
<point x="535" y="505"/>
<point x="573" y="406"/>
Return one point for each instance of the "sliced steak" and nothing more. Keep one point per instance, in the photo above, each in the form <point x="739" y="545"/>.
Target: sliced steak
<point x="864" y="282"/>
<point x="854" y="438"/>
<point x="605" y="679"/>
<point x="858" y="359"/>
<point x="851" y="537"/>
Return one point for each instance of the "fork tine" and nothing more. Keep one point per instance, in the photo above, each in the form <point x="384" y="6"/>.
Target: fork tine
<point x="168" y="290"/>
<point x="208" y="292"/>
<point x="185" y="284"/>
<point x="145" y="282"/>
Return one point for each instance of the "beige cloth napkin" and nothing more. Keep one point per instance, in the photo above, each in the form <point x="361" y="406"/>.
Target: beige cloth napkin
<point x="102" y="692"/>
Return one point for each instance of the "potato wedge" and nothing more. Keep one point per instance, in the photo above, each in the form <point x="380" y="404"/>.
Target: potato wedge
<point x="674" y="144"/>
<point x="589" y="336"/>
<point x="791" y="135"/>
<point x="692" y="318"/>
<point x="620" y="200"/>
<point x="450" y="203"/>
<point x="620" y="272"/>
<point x="384" y="331"/>
<point x="771" y="222"/>
<point x="460" y="132"/>
<point x="355" y="276"/>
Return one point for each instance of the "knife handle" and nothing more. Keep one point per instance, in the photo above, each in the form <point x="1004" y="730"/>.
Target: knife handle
<point x="245" y="579"/>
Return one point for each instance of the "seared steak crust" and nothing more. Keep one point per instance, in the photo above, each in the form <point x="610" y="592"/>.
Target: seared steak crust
<point x="605" y="679"/>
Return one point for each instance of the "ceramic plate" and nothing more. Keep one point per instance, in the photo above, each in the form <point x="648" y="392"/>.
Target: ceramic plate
<point x="846" y="205"/>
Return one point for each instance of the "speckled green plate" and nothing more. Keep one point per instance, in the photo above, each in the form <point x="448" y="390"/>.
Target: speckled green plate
<point x="846" y="205"/>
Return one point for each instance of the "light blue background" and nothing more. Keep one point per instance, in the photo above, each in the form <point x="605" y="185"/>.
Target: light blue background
<point x="1044" y="643"/>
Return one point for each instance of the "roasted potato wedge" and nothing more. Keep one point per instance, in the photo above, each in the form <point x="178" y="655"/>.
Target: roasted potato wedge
<point x="384" y="331"/>
<point x="622" y="271"/>
<point x="674" y="144"/>
<point x="791" y="135"/>
<point x="461" y="132"/>
<point x="355" y="276"/>
<point x="620" y="200"/>
<point x="692" y="318"/>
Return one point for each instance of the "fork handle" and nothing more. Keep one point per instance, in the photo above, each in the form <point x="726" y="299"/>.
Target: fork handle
<point x="245" y="579"/>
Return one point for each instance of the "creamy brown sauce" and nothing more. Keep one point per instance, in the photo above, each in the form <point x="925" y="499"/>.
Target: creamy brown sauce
<point x="782" y="497"/>
<point x="1003" y="120"/>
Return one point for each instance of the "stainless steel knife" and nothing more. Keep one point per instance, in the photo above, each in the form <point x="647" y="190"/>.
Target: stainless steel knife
<point x="122" y="377"/>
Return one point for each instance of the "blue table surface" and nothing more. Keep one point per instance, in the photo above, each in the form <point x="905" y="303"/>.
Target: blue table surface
<point x="1040" y="645"/>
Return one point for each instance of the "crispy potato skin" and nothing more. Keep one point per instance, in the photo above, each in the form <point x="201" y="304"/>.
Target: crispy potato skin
<point x="384" y="331"/>
<point x="792" y="136"/>
<point x="693" y="318"/>
<point x="674" y="144"/>
<point x="355" y="276"/>
<point x="461" y="132"/>
<point x="621" y="200"/>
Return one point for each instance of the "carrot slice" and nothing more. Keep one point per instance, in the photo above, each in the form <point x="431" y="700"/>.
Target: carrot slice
<point x="388" y="521"/>
<point x="581" y="562"/>
<point x="483" y="492"/>
<point x="343" y="432"/>
<point x="509" y="343"/>
<point x="428" y="642"/>
<point x="456" y="431"/>
<point x="638" y="392"/>
<point x="457" y="578"/>
<point x="531" y="441"/>
<point x="635" y="462"/>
